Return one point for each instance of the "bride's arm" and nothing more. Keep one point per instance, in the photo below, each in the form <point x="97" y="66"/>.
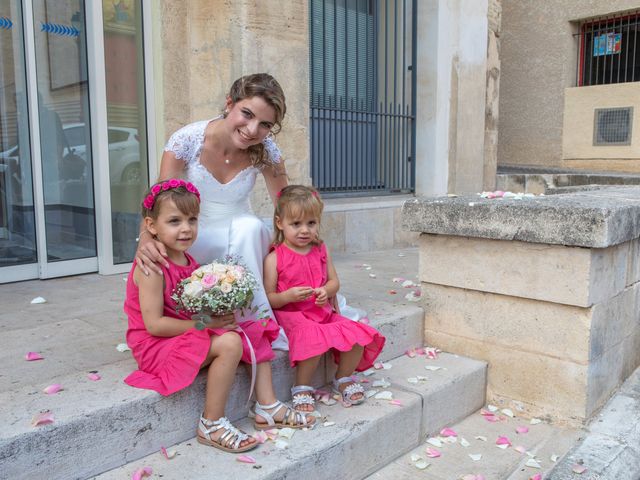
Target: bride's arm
<point x="275" y="178"/>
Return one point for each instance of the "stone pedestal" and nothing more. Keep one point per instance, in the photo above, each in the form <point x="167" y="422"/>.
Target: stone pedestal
<point x="544" y="289"/>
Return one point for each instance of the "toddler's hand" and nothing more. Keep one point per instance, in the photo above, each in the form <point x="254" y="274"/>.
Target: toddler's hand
<point x="299" y="294"/>
<point x="223" y="321"/>
<point x="321" y="296"/>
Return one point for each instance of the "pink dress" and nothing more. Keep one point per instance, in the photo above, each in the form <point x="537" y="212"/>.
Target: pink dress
<point x="313" y="330"/>
<point x="169" y="364"/>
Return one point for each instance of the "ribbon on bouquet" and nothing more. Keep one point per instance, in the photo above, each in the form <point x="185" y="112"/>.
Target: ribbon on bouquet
<point x="254" y="363"/>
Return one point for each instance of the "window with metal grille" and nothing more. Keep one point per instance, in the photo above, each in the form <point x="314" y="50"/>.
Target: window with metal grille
<point x="612" y="126"/>
<point x="362" y="95"/>
<point x="609" y="50"/>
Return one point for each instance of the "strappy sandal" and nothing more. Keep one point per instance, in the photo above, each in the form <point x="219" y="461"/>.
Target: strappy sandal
<point x="229" y="441"/>
<point x="349" y="390"/>
<point x="291" y="419"/>
<point x="303" y="395"/>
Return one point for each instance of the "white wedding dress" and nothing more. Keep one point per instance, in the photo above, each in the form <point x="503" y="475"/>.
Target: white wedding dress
<point x="227" y="224"/>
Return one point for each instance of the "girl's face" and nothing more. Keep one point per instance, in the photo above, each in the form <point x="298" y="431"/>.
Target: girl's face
<point x="249" y="121"/>
<point x="299" y="232"/>
<point x="176" y="230"/>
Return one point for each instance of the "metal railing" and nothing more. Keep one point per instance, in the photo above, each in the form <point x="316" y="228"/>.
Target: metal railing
<point x="363" y="96"/>
<point x="609" y="50"/>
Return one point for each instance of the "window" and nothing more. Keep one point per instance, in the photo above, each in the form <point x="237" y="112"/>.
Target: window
<point x="609" y="50"/>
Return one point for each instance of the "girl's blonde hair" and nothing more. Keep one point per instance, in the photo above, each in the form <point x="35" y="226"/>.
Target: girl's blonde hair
<point x="296" y="201"/>
<point x="185" y="200"/>
<point x="266" y="87"/>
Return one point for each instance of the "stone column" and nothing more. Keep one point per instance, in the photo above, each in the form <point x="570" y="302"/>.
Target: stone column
<point x="545" y="289"/>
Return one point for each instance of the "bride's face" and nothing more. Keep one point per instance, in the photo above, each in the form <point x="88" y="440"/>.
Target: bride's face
<point x="249" y="121"/>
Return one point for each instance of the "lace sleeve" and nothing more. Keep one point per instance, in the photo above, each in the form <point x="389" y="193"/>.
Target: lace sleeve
<point x="275" y="156"/>
<point x="186" y="142"/>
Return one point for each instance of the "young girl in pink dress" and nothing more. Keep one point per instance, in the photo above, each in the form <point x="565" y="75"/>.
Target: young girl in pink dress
<point x="170" y="348"/>
<point x="300" y="281"/>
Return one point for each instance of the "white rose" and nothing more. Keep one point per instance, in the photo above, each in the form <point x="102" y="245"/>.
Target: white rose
<point x="193" y="289"/>
<point x="225" y="287"/>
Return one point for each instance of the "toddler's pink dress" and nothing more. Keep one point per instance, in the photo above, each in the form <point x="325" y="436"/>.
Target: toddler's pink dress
<point x="169" y="364"/>
<point x="313" y="330"/>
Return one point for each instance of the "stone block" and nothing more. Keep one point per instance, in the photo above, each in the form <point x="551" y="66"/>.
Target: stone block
<point x="516" y="324"/>
<point x="369" y="230"/>
<point x="536" y="184"/>
<point x="333" y="230"/>
<point x="545" y="385"/>
<point x="402" y="238"/>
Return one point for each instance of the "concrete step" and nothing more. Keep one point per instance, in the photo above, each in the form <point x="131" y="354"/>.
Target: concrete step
<point x="363" y="438"/>
<point x="541" y="442"/>
<point x="104" y="424"/>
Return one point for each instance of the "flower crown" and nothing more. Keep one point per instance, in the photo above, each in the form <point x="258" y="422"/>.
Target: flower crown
<point x="150" y="199"/>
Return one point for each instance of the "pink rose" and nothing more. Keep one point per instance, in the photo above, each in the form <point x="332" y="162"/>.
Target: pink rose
<point x="209" y="281"/>
<point x="156" y="189"/>
<point x="174" y="183"/>
<point x="148" y="202"/>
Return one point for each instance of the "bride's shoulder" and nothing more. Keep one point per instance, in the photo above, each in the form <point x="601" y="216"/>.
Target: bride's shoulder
<point x="186" y="141"/>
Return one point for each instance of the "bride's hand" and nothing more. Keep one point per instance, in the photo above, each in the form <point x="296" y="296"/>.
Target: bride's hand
<point x="150" y="254"/>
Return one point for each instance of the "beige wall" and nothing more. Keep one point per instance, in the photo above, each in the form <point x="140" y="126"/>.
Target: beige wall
<point x="577" y="142"/>
<point x="538" y="57"/>
<point x="207" y="44"/>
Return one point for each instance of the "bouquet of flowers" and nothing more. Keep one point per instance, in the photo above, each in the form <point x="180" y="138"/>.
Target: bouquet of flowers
<point x="218" y="288"/>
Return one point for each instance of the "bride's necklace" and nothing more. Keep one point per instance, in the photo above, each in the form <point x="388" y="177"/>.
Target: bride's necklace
<point x="227" y="161"/>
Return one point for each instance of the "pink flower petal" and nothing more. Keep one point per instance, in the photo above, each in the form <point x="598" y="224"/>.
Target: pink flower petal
<point x="432" y="452"/>
<point x="503" y="441"/>
<point x="167" y="454"/>
<point x="365" y="320"/>
<point x="94" y="376"/>
<point x="260" y="437"/>
<point x="378" y="366"/>
<point x="42" y="418"/>
<point x="31" y="356"/>
<point x="392" y="292"/>
<point x="245" y="459"/>
<point x="537" y="476"/>
<point x="520" y="449"/>
<point x="51" y="389"/>
<point x="447" y="432"/>
<point x="522" y="430"/>
<point x="577" y="468"/>
<point x="420" y="351"/>
<point x="397" y="403"/>
<point x="411" y="353"/>
<point x="140" y="473"/>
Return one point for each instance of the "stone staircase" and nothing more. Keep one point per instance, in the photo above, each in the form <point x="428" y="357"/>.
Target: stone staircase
<point x="108" y="429"/>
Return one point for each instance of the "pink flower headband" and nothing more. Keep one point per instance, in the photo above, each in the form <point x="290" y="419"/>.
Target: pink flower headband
<point x="168" y="185"/>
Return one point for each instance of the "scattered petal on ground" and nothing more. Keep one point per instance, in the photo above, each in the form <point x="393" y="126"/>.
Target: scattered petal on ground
<point x="31" y="356"/>
<point x="481" y="438"/>
<point x="42" y="418"/>
<point x="392" y="292"/>
<point x="328" y="424"/>
<point x="415" y="457"/>
<point x="554" y="458"/>
<point x="535" y="421"/>
<point x="503" y="441"/>
<point x="94" y="377"/>
<point x="260" y="437"/>
<point x="51" y="389"/>
<point x="492" y="408"/>
<point x="532" y="463"/>
<point x="140" y="473"/>
<point x="464" y="442"/>
<point x="381" y="383"/>
<point x="476" y="457"/>
<point x="370" y="393"/>
<point x="412" y="296"/>
<point x="397" y="280"/>
<point x="368" y="372"/>
<point x="411" y="353"/>
<point x="508" y="412"/>
<point x="168" y="454"/>
<point x="123" y="347"/>
<point x="448" y="432"/>
<point x="386" y="366"/>
<point x="38" y="300"/>
<point x="286" y="432"/>
<point x="408" y="284"/>
<point x="372" y="275"/>
<point x="577" y="468"/>
<point x="537" y="476"/>
<point x="520" y="449"/>
<point x="364" y="320"/>
<point x="421" y="464"/>
<point x="432" y="368"/>
<point x="412" y="380"/>
<point x="282" y="444"/>
<point x="245" y="459"/>
<point x="522" y="429"/>
<point x="471" y="476"/>
<point x="397" y="403"/>
<point x="401" y="255"/>
<point x="384" y="395"/>
<point x="436" y="442"/>
<point x="432" y="452"/>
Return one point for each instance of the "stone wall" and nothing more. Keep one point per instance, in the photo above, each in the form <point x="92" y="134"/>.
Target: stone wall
<point x="494" y="16"/>
<point x="545" y="289"/>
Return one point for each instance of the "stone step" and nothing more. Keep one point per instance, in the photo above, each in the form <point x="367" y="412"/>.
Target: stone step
<point x="363" y="438"/>
<point x="542" y="442"/>
<point x="104" y="424"/>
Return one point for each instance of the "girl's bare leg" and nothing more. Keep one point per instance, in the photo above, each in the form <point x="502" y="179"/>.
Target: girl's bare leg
<point x="348" y="363"/>
<point x="224" y="356"/>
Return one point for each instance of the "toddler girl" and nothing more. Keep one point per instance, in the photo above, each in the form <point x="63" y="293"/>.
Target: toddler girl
<point x="170" y="348"/>
<point x="300" y="281"/>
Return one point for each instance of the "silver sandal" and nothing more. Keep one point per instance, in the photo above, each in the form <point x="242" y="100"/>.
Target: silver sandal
<point x="291" y="418"/>
<point x="303" y="395"/>
<point x="229" y="441"/>
<point x="349" y="391"/>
